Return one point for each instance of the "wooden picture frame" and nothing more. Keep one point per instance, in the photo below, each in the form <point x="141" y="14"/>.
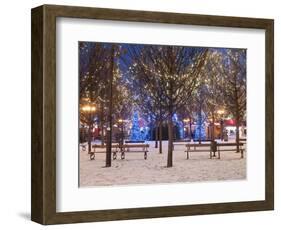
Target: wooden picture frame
<point x="43" y="202"/>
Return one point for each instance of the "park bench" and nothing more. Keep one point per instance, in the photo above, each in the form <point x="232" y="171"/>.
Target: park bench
<point x="243" y="140"/>
<point x="102" y="149"/>
<point x="180" y="143"/>
<point x="83" y="146"/>
<point x="205" y="147"/>
<point x="220" y="145"/>
<point x="205" y="140"/>
<point x="133" y="142"/>
<point x="213" y="147"/>
<point x="134" y="148"/>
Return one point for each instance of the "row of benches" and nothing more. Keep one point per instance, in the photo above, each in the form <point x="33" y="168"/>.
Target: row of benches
<point x="211" y="147"/>
<point x="120" y="148"/>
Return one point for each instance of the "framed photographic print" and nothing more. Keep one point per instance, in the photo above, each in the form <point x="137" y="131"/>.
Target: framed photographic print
<point x="147" y="114"/>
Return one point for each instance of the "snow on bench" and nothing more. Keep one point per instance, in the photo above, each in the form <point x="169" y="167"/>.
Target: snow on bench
<point x="214" y="147"/>
<point x="126" y="148"/>
<point x="102" y="149"/>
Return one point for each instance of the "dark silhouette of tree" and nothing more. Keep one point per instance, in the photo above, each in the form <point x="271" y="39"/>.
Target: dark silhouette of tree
<point x="93" y="65"/>
<point x="232" y="66"/>
<point x="101" y="87"/>
<point x="174" y="72"/>
<point x="213" y="89"/>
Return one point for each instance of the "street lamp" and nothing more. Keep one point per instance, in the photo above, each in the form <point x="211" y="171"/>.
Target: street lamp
<point x="121" y="122"/>
<point x="89" y="109"/>
<point x="220" y="112"/>
<point x="188" y="120"/>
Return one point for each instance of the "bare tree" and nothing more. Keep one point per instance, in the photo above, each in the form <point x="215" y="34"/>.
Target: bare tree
<point x="232" y="66"/>
<point x="93" y="59"/>
<point x="150" y="108"/>
<point x="144" y="85"/>
<point x="101" y="87"/>
<point x="213" y="94"/>
<point x="174" y="72"/>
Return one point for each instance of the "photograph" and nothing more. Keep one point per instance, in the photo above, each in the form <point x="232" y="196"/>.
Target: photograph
<point x="158" y="114"/>
<point x="142" y="114"/>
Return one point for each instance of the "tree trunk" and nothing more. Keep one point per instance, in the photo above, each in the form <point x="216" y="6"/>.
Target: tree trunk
<point x="213" y="127"/>
<point x="122" y="130"/>
<point x="237" y="117"/>
<point x="109" y="120"/>
<point x="108" y="147"/>
<point x="102" y="124"/>
<point x="237" y="131"/>
<point x="156" y="135"/>
<point x="170" y="142"/>
<point x="190" y="132"/>
<point x="151" y="132"/>
<point x="213" y="132"/>
<point x="160" y="136"/>
<point x="89" y="139"/>
<point x="222" y="129"/>
<point x="102" y="133"/>
<point x="200" y="124"/>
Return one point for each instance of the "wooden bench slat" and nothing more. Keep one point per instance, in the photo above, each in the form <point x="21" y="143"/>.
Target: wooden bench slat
<point x="104" y="146"/>
<point x="114" y="147"/>
<point x="200" y="148"/>
<point x="134" y="142"/>
<point x="202" y="144"/>
<point x="134" y="146"/>
<point x="241" y="149"/>
<point x="229" y="144"/>
<point x="122" y="148"/>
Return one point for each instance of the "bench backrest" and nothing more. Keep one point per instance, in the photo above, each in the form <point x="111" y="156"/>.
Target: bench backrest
<point x="134" y="141"/>
<point x="180" y="141"/>
<point x="229" y="144"/>
<point x="206" y="140"/>
<point x="135" y="146"/>
<point x="104" y="146"/>
<point x="199" y="145"/>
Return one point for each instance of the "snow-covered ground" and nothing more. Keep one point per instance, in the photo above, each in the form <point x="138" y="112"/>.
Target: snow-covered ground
<point x="135" y="170"/>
